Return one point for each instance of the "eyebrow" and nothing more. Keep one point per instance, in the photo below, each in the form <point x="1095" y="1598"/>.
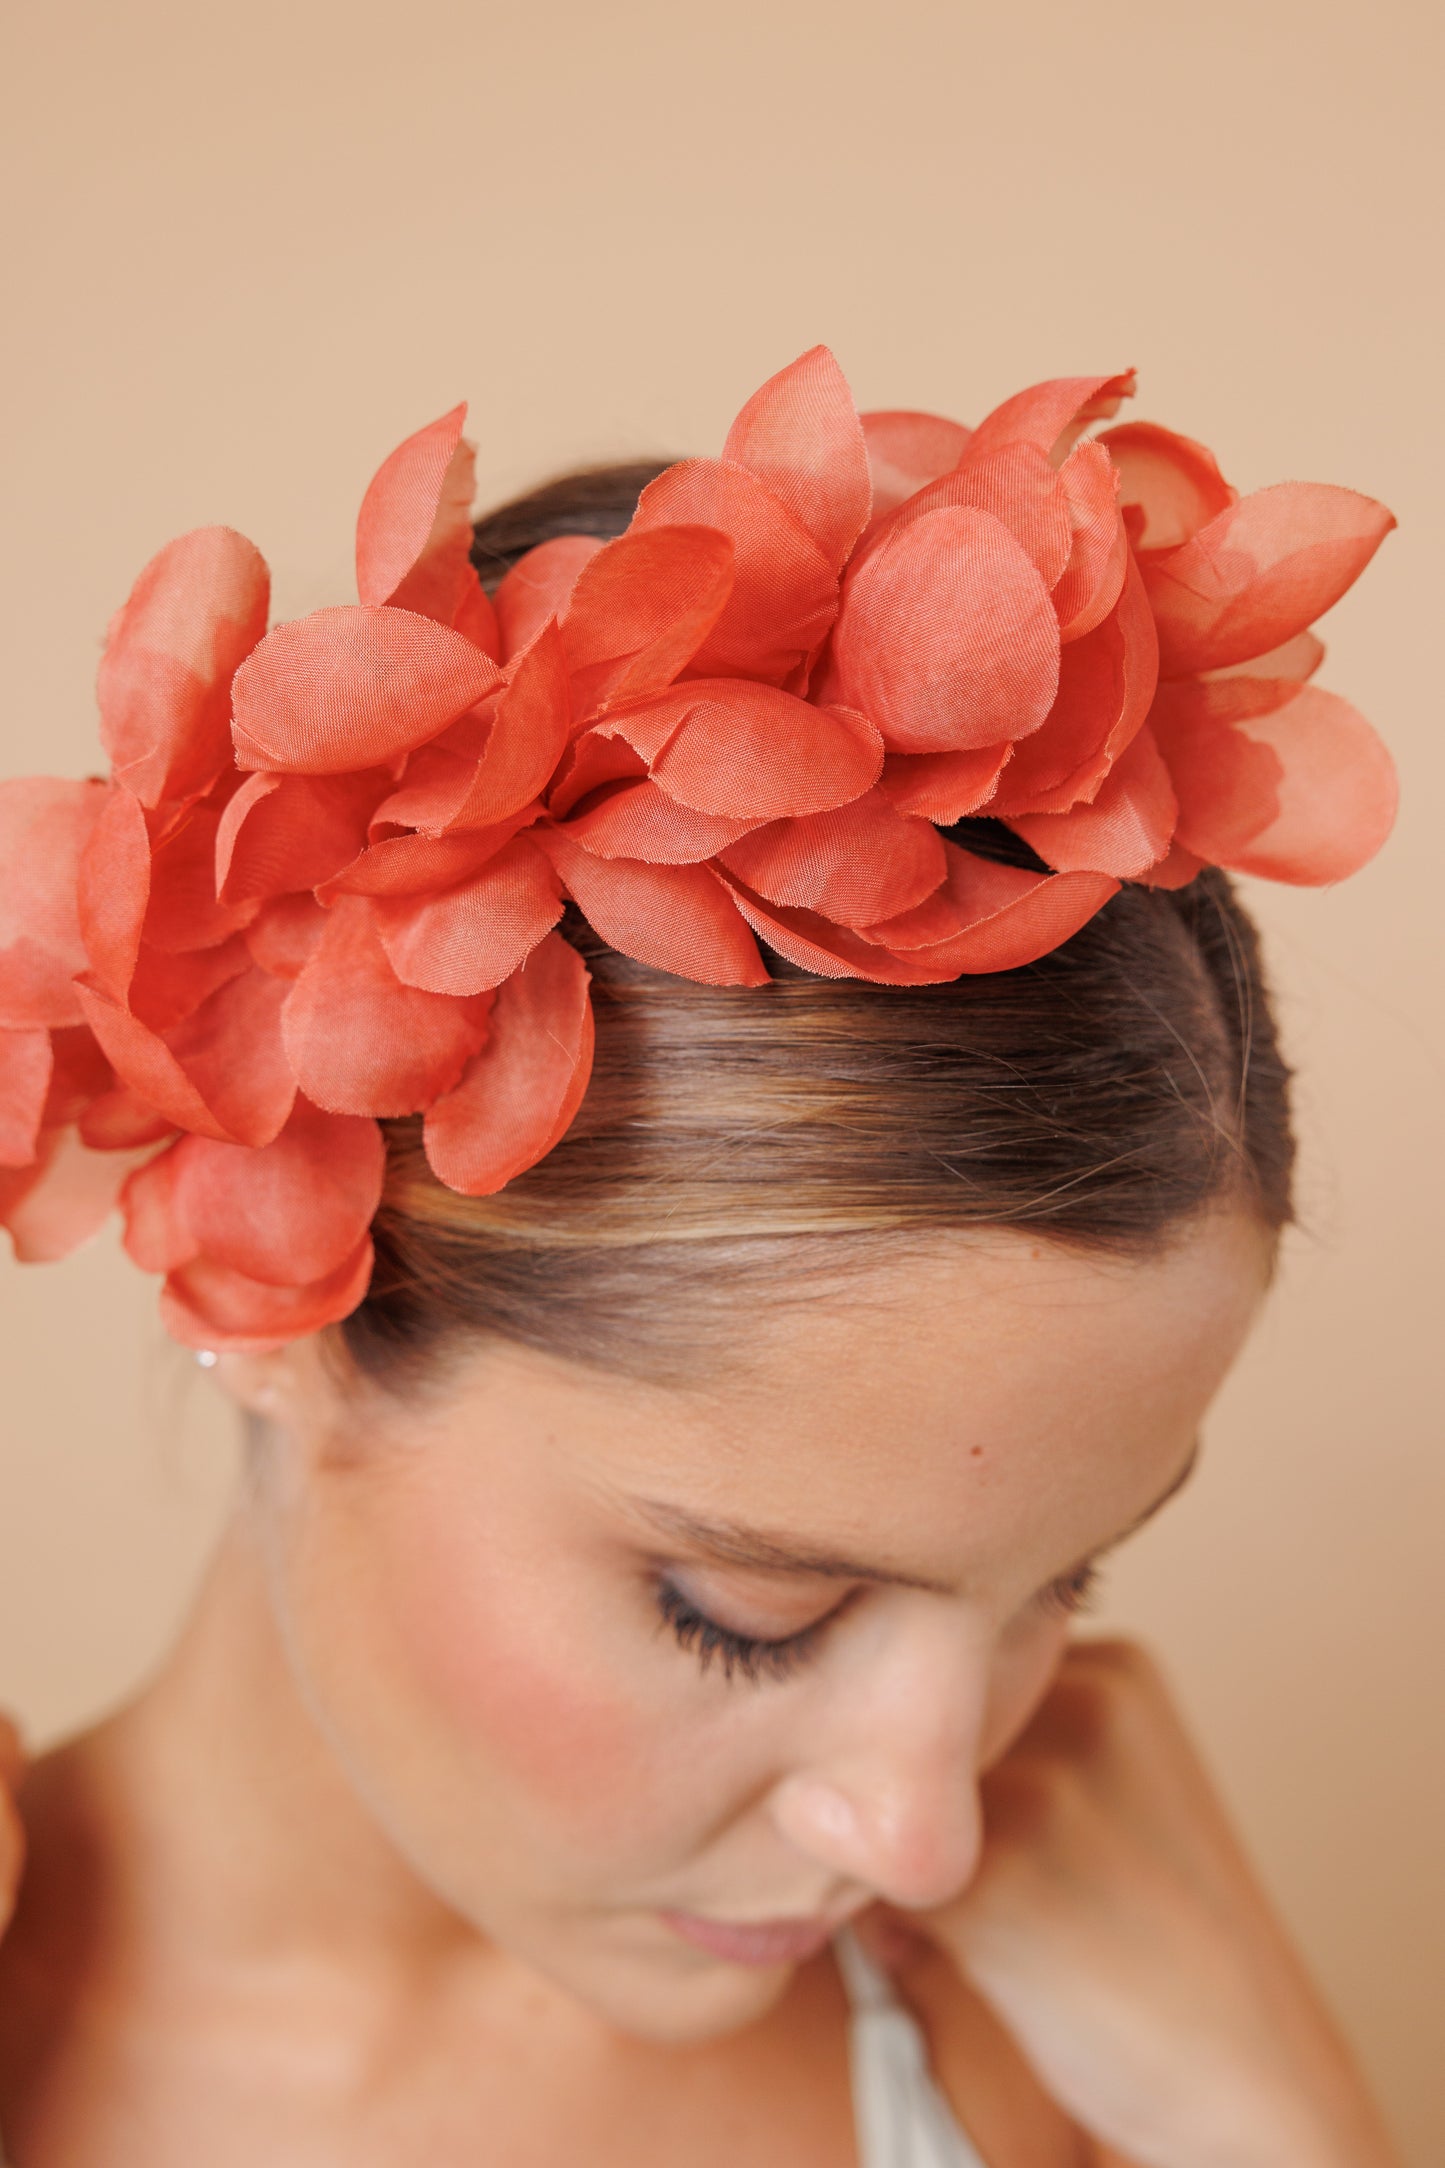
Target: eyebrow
<point x="734" y="1543"/>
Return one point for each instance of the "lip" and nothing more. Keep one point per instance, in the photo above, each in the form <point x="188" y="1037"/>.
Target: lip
<point x="754" y="1942"/>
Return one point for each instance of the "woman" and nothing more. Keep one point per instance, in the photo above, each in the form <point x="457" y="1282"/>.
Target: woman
<point x="690" y="1385"/>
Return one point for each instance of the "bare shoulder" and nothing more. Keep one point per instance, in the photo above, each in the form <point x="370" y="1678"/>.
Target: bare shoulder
<point x="983" y="2074"/>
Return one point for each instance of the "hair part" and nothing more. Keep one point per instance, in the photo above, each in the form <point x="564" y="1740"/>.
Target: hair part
<point x="744" y="1144"/>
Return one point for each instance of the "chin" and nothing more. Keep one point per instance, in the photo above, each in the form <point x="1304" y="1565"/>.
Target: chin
<point x="672" y="2004"/>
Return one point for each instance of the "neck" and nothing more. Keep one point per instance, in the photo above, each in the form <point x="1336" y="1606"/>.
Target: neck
<point x="214" y="1803"/>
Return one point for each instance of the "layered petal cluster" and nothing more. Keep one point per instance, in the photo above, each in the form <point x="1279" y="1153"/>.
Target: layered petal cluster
<point x="320" y="886"/>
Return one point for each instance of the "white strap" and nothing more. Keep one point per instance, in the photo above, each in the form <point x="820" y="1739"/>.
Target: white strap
<point x="902" y="2119"/>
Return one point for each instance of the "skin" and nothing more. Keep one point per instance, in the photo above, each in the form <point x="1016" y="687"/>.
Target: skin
<point x="389" y="1842"/>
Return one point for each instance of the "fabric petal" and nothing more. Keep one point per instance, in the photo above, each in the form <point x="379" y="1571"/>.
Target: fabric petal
<point x="415" y="528"/>
<point x="221" y="1073"/>
<point x="289" y="1214"/>
<point x="1018" y="485"/>
<point x="283" y="833"/>
<point x="285" y="935"/>
<point x="906" y="451"/>
<point x="801" y="436"/>
<point x="947" y="638"/>
<point x="492" y="763"/>
<point x="676" y="918"/>
<point x="1259" y="573"/>
<point x="156" y="1235"/>
<point x="414" y="865"/>
<point x="990" y="917"/>
<point x="1052" y="415"/>
<point x="519" y="1096"/>
<point x="540" y="586"/>
<point x="639" y="820"/>
<point x="477" y="934"/>
<point x="1169" y="486"/>
<point x="359" y="1041"/>
<point x="195" y="613"/>
<point x="785" y="591"/>
<point x="121" y="1121"/>
<point x="353" y="688"/>
<point x="205" y="1305"/>
<point x="50" y="1209"/>
<point x="1099" y="552"/>
<point x="750" y="751"/>
<point x="858" y="863"/>
<point x="25" y="1069"/>
<point x="1305" y="793"/>
<point x="944" y="787"/>
<point x="1125" y="829"/>
<point x="166" y="989"/>
<point x="113" y="890"/>
<point x="641" y="609"/>
<point x="1106" y="683"/>
<point x="44" y="826"/>
<point x="183" y="910"/>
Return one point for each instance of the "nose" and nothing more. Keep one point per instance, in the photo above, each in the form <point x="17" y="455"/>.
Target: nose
<point x="895" y="1805"/>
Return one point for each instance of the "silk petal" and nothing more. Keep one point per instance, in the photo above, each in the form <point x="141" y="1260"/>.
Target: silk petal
<point x="538" y="586"/>
<point x="906" y="451"/>
<point x="45" y="823"/>
<point x="676" y="918"/>
<point x="474" y="936"/>
<point x="801" y="436"/>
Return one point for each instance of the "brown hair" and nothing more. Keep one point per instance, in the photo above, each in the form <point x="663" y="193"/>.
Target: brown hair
<point x="738" y="1141"/>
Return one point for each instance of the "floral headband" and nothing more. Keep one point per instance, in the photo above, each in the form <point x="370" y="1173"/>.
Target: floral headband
<point x="320" y="886"/>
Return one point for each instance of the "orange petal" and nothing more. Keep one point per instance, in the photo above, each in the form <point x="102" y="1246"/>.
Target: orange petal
<point x="1170" y="486"/>
<point x="750" y="752"/>
<point x="1016" y="484"/>
<point x="641" y="609"/>
<point x="166" y="989"/>
<point x="25" y="1070"/>
<point x="359" y="1041"/>
<point x="474" y="616"/>
<point x="1106" y="683"/>
<point x="353" y="688"/>
<point x="473" y="936"/>
<point x="285" y="935"/>
<point x="283" y="833"/>
<point x="677" y="918"/>
<point x="156" y="1235"/>
<point x="113" y="890"/>
<point x="943" y="787"/>
<point x="54" y="1206"/>
<point x="906" y="451"/>
<point x="183" y="911"/>
<point x="947" y="639"/>
<point x="1052" y="414"/>
<point x="205" y="1305"/>
<point x="120" y="1121"/>
<point x="415" y="526"/>
<point x="639" y="820"/>
<point x="988" y="917"/>
<point x="289" y="1214"/>
<point x="80" y="1074"/>
<point x="221" y="1073"/>
<point x="1259" y="573"/>
<point x="410" y="865"/>
<point x="492" y="764"/>
<point x="1305" y="793"/>
<point x="785" y="592"/>
<point x="801" y="436"/>
<point x="1127" y="827"/>
<point x="44" y="825"/>
<point x="856" y="864"/>
<point x="1099" y="549"/>
<point x="540" y="586"/>
<point x="164" y="688"/>
<point x="519" y="1096"/>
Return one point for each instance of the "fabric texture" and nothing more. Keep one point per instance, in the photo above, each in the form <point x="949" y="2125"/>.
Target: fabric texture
<point x="320" y="887"/>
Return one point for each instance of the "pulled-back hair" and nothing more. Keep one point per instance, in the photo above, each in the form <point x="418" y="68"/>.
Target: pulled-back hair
<point x="739" y="1140"/>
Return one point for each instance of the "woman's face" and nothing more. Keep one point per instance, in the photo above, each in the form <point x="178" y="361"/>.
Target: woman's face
<point x="621" y="1667"/>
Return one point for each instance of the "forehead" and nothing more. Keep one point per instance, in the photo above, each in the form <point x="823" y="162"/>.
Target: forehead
<point x="992" y="1371"/>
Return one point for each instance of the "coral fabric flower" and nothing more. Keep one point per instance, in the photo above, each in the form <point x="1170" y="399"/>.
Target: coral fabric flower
<point x="321" y="885"/>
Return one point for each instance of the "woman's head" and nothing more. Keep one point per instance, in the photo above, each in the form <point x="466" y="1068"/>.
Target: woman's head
<point x="929" y="1287"/>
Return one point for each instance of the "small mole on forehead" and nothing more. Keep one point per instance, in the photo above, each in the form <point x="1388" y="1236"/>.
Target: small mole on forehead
<point x="975" y="1452"/>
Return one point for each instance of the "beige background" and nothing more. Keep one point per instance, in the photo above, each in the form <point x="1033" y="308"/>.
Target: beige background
<point x="250" y="248"/>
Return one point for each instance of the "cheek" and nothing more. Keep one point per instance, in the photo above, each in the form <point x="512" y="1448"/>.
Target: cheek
<point x="1023" y="1672"/>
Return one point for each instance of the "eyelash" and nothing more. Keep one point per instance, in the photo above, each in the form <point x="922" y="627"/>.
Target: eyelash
<point x="757" y="1659"/>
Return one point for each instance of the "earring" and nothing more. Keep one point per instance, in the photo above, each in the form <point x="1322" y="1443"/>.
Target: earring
<point x="207" y="1357"/>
